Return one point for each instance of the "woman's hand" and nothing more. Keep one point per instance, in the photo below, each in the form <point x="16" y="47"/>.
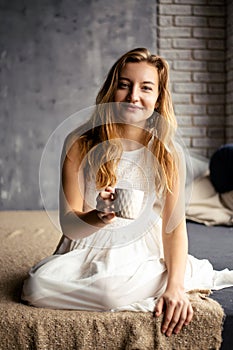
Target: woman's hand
<point x="178" y="311"/>
<point x="104" y="205"/>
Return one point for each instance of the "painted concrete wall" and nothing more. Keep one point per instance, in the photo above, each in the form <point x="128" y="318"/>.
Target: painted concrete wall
<point x="54" y="56"/>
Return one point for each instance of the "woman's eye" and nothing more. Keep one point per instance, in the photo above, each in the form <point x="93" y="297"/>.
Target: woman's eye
<point x="147" y="88"/>
<point x="122" y="85"/>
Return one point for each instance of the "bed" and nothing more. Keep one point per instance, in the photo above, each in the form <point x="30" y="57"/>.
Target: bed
<point x="210" y="229"/>
<point x="215" y="243"/>
<point x="29" y="236"/>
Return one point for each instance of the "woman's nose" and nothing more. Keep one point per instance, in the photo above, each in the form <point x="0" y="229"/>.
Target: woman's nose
<point x="133" y="95"/>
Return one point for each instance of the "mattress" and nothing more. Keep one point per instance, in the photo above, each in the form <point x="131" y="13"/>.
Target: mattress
<point x="29" y="236"/>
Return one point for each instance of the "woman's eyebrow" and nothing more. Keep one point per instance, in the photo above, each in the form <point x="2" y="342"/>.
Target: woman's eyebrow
<point x="144" y="82"/>
<point x="148" y="82"/>
<point x="123" y="78"/>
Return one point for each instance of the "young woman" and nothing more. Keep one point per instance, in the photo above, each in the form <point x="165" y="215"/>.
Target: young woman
<point x="106" y="262"/>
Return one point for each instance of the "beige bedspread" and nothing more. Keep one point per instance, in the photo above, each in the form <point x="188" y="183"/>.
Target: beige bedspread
<point x="26" y="238"/>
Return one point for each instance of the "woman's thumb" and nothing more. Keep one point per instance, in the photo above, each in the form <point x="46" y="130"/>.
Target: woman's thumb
<point x="159" y="307"/>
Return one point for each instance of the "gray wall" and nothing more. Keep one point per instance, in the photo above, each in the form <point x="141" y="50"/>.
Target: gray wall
<point x="54" y="56"/>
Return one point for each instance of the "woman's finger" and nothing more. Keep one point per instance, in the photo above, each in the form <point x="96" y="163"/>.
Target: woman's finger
<point x="183" y="318"/>
<point x="106" y="195"/>
<point x="105" y="207"/>
<point x="183" y="314"/>
<point x="169" y="320"/>
<point x="104" y="202"/>
<point x="189" y="315"/>
<point x="159" y="307"/>
<point x="106" y="218"/>
<point x="110" y="189"/>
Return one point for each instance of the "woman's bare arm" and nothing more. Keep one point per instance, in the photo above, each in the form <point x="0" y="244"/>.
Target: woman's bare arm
<point x="174" y="301"/>
<point x="74" y="221"/>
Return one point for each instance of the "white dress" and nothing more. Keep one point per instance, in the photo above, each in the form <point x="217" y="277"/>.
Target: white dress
<point x="121" y="266"/>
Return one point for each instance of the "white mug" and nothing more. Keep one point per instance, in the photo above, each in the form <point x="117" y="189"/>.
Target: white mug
<point x="127" y="202"/>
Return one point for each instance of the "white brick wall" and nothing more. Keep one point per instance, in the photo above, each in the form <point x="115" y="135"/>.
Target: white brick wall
<point x="192" y="37"/>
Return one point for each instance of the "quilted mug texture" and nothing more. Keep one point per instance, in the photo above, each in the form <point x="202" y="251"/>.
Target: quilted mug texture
<point x="128" y="203"/>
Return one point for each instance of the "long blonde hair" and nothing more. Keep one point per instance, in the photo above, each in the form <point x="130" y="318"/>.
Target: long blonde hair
<point x="105" y="132"/>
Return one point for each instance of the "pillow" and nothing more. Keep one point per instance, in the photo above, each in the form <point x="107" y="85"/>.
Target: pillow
<point x="196" y="166"/>
<point x="221" y="169"/>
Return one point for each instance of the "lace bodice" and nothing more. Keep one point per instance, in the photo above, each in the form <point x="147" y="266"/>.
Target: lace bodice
<point x="135" y="171"/>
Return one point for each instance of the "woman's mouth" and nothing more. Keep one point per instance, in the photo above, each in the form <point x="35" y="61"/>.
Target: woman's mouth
<point x="131" y="107"/>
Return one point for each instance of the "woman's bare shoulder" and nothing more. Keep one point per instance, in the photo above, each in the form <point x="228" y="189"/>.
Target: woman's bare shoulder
<point x="74" y="142"/>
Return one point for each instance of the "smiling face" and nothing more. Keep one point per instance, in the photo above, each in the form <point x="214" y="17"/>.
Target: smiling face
<point x="137" y="92"/>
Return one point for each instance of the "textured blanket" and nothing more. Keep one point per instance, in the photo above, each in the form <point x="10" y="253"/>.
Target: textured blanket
<point x="26" y="238"/>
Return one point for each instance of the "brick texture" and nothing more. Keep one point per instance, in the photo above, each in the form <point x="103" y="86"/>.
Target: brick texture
<point x="192" y="36"/>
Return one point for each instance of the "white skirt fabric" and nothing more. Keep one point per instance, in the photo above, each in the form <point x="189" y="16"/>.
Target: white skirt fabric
<point x="129" y="277"/>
